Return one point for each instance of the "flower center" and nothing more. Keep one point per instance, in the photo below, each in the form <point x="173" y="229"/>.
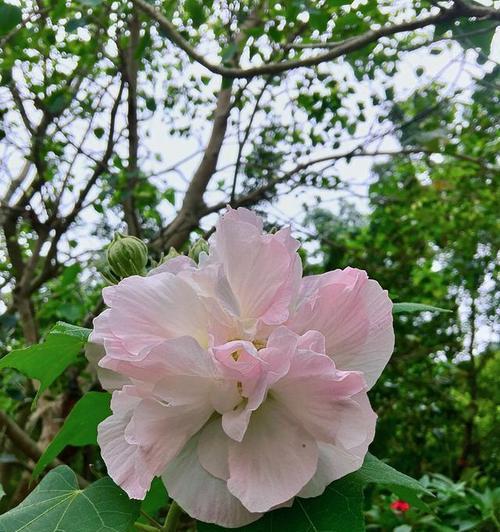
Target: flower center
<point x="259" y="344"/>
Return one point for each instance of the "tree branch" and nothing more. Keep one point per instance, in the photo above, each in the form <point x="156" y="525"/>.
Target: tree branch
<point x="28" y="446"/>
<point x="177" y="232"/>
<point x="260" y="193"/>
<point x="459" y="9"/>
<point x="130" y="71"/>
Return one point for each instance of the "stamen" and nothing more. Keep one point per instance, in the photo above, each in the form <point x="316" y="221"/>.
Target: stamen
<point x="259" y="344"/>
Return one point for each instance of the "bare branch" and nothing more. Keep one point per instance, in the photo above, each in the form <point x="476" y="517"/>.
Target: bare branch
<point x="193" y="205"/>
<point x="243" y="141"/>
<point x="177" y="232"/>
<point x="50" y="267"/>
<point x="130" y="71"/>
<point x="261" y="193"/>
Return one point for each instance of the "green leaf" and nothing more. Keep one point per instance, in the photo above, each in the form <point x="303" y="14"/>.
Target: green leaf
<point x="156" y="498"/>
<point x="398" y="308"/>
<point x="79" y="429"/>
<point x="228" y="52"/>
<point x="169" y="195"/>
<point x="319" y="19"/>
<point x="470" y="34"/>
<point x="195" y="10"/>
<point x="75" y="23"/>
<point x="151" y="104"/>
<point x="67" y="329"/>
<point x="377" y="472"/>
<point x="10" y="17"/>
<point x="57" y="102"/>
<point x="2" y="492"/>
<point x="340" y="507"/>
<point x="46" y="361"/>
<point x="58" y="504"/>
<point x="91" y="3"/>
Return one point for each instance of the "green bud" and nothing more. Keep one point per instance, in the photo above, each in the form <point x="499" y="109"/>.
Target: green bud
<point x="172" y="253"/>
<point x="199" y="247"/>
<point x="106" y="272"/>
<point x="126" y="256"/>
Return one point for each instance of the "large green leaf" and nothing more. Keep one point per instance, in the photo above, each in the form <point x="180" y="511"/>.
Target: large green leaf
<point x="57" y="505"/>
<point x="399" y="308"/>
<point x="46" y="361"/>
<point x="339" y="508"/>
<point x="80" y="427"/>
<point x="377" y="472"/>
<point x="10" y="17"/>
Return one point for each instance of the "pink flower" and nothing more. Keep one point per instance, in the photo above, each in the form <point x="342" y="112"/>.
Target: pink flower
<point x="238" y="382"/>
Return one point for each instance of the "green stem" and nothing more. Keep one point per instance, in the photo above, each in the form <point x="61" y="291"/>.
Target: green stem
<point x="146" y="528"/>
<point x="153" y="521"/>
<point x="174" y="512"/>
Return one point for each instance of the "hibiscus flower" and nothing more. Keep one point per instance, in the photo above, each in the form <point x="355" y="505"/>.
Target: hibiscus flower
<point x="238" y="382"/>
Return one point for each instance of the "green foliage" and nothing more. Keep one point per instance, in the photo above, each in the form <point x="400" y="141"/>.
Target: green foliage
<point x="46" y="361"/>
<point x="58" y="504"/>
<point x="471" y="34"/>
<point x="339" y="508"/>
<point x="156" y="499"/>
<point x="415" y="307"/>
<point x="79" y="429"/>
<point x="431" y="236"/>
<point x="455" y="506"/>
<point x="10" y="17"/>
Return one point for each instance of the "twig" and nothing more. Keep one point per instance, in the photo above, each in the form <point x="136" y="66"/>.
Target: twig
<point x="28" y="446"/>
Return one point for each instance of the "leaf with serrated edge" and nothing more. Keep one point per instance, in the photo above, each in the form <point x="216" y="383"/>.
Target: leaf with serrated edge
<point x="57" y="504"/>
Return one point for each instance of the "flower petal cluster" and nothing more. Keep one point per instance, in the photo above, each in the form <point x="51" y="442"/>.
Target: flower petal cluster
<point x="240" y="383"/>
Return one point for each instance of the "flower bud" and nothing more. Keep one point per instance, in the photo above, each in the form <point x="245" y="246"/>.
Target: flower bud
<point x="105" y="271"/>
<point x="172" y="253"/>
<point x="126" y="256"/>
<point x="199" y="247"/>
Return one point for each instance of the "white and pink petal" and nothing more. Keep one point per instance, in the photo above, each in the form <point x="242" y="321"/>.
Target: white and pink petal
<point x="275" y="460"/>
<point x="355" y="316"/>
